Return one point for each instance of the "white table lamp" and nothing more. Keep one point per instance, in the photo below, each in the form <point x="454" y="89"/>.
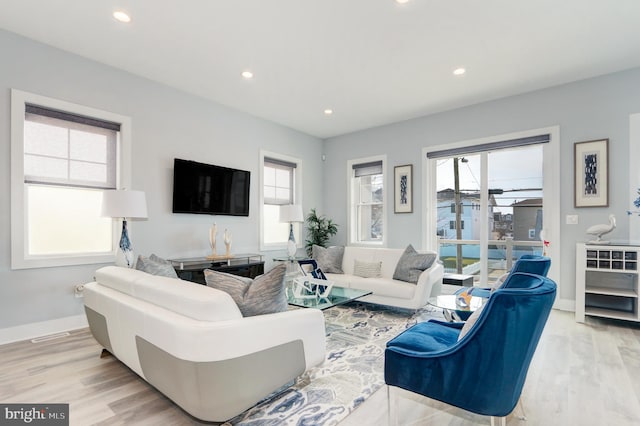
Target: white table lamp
<point x="125" y="204"/>
<point x="291" y="213"/>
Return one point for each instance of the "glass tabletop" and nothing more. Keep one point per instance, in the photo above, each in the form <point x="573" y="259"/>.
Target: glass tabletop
<point x="450" y="302"/>
<point x="337" y="296"/>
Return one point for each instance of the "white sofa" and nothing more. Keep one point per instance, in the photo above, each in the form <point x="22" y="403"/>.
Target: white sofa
<point x="385" y="290"/>
<point x="191" y="342"/>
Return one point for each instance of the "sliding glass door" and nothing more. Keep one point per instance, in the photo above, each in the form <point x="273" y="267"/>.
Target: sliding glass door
<point x="489" y="205"/>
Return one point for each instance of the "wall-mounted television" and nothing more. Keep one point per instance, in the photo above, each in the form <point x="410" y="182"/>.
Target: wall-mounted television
<point x="208" y="189"/>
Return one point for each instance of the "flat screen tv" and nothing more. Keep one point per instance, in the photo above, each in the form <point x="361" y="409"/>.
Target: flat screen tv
<point x="208" y="189"/>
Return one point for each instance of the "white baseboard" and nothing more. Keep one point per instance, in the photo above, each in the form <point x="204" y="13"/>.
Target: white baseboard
<point x="565" y="305"/>
<point x="43" y="328"/>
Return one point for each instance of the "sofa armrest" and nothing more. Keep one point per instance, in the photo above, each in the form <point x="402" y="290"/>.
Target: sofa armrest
<point x="429" y="283"/>
<point x="212" y="341"/>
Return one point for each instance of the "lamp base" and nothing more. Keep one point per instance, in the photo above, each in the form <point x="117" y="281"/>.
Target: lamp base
<point x="292" y="248"/>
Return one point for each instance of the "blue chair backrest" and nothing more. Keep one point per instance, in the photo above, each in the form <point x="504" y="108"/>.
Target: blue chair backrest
<point x="533" y="264"/>
<point x="504" y="339"/>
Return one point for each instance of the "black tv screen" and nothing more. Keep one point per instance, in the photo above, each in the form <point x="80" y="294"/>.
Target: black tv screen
<point x="208" y="189"/>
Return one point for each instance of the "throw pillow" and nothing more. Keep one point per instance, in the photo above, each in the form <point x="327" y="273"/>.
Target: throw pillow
<point x="156" y="266"/>
<point x="367" y="269"/>
<point x="328" y="259"/>
<point x="411" y="265"/>
<point x="473" y="318"/>
<point x="263" y="295"/>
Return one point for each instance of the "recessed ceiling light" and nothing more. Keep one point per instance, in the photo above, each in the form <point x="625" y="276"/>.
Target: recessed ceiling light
<point x="121" y="16"/>
<point x="328" y="111"/>
<point x="247" y="75"/>
<point x="459" y="71"/>
<point x="402" y="1"/>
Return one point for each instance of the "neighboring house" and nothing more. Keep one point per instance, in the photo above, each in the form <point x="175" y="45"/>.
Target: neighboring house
<point x="527" y="219"/>
<point x="470" y="215"/>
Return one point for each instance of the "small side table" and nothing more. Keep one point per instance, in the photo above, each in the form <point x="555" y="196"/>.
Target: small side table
<point x="293" y="270"/>
<point x="454" y="312"/>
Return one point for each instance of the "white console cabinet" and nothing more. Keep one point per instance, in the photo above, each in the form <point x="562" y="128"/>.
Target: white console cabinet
<point x="607" y="281"/>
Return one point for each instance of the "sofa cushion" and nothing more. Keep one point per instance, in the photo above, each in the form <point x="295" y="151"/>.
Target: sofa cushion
<point x="411" y="265"/>
<point x="328" y="259"/>
<point x="378" y="286"/>
<point x="367" y="269"/>
<point x="263" y="295"/>
<point x="156" y="265"/>
<point x="470" y="322"/>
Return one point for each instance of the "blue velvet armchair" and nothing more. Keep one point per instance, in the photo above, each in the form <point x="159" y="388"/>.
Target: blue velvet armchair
<point x="484" y="371"/>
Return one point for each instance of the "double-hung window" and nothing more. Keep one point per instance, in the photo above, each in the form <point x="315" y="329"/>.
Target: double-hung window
<point x="367" y="201"/>
<point x="280" y="186"/>
<point x="63" y="157"/>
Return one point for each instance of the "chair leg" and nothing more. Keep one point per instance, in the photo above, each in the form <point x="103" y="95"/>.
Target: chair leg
<point x="503" y="421"/>
<point x="392" y="406"/>
<point x="523" y="417"/>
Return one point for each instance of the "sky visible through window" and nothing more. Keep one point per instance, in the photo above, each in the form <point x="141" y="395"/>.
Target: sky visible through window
<point x="517" y="172"/>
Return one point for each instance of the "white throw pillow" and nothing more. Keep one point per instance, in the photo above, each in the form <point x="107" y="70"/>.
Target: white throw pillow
<point x="367" y="269"/>
<point x="471" y="321"/>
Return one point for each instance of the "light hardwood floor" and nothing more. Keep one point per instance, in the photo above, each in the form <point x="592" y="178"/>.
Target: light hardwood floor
<point x="581" y="374"/>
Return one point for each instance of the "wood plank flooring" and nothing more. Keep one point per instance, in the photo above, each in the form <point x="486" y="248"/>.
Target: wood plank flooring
<point x="582" y="374"/>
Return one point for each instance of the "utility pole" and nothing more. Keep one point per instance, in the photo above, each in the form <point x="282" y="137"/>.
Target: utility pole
<point x="456" y="176"/>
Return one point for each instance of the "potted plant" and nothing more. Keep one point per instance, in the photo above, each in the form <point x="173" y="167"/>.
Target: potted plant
<point x="319" y="230"/>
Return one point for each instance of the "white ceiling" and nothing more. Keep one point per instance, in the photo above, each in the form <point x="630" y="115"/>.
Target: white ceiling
<point x="372" y="61"/>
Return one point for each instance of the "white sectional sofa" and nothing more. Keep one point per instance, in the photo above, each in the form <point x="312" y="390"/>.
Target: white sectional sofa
<point x="191" y="342"/>
<point x="386" y="290"/>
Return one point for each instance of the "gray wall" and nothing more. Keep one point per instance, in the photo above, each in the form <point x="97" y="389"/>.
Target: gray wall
<point x="166" y="123"/>
<point x="585" y="110"/>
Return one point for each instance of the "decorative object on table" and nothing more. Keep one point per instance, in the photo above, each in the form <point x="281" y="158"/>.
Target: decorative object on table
<point x="403" y="189"/>
<point x="602" y="229"/>
<point x="636" y="204"/>
<point x="591" y="173"/>
<point x="291" y="213"/>
<point x="122" y="203"/>
<point x="213" y="235"/>
<point x="227" y="242"/>
<point x="307" y="287"/>
<point x="319" y="230"/>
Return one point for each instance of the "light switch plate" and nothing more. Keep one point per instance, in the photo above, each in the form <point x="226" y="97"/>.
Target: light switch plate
<point x="572" y="219"/>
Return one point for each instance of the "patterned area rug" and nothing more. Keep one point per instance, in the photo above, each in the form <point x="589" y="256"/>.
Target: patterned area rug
<point x="356" y="337"/>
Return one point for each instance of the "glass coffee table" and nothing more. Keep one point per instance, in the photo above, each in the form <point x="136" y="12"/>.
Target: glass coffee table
<point x="337" y="296"/>
<point x="452" y="310"/>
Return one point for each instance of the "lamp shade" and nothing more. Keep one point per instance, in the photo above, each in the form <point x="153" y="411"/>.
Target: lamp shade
<point x="124" y="203"/>
<point x="291" y="213"/>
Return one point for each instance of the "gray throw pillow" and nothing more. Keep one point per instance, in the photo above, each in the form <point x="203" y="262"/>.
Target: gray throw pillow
<point x="328" y="259"/>
<point x="263" y="295"/>
<point x="411" y="265"/>
<point x="156" y="266"/>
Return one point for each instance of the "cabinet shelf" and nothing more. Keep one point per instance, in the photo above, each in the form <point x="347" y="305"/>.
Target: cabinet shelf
<point x="608" y="313"/>
<point x="611" y="291"/>
<point x="607" y="281"/>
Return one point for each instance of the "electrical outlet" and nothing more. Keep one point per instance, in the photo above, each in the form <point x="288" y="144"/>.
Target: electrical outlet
<point x="78" y="289"/>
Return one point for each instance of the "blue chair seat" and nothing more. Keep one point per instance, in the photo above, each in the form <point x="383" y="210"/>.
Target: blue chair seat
<point x="431" y="336"/>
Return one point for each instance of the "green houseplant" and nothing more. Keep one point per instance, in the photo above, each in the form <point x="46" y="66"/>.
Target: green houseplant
<point x="319" y="230"/>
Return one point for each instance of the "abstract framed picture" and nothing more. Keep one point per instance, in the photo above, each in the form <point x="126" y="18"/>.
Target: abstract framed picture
<point x="403" y="189"/>
<point x="591" y="173"/>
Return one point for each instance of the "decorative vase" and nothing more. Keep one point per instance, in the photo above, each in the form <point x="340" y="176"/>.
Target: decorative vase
<point x="227" y="242"/>
<point x="213" y="231"/>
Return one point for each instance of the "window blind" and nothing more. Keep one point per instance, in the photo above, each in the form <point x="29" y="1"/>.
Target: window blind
<point x="512" y="143"/>
<point x="65" y="149"/>
<point x="278" y="181"/>
<point x="367" y="169"/>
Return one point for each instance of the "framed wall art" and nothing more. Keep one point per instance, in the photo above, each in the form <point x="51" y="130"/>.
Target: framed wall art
<point x="591" y="173"/>
<point x="403" y="189"/>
